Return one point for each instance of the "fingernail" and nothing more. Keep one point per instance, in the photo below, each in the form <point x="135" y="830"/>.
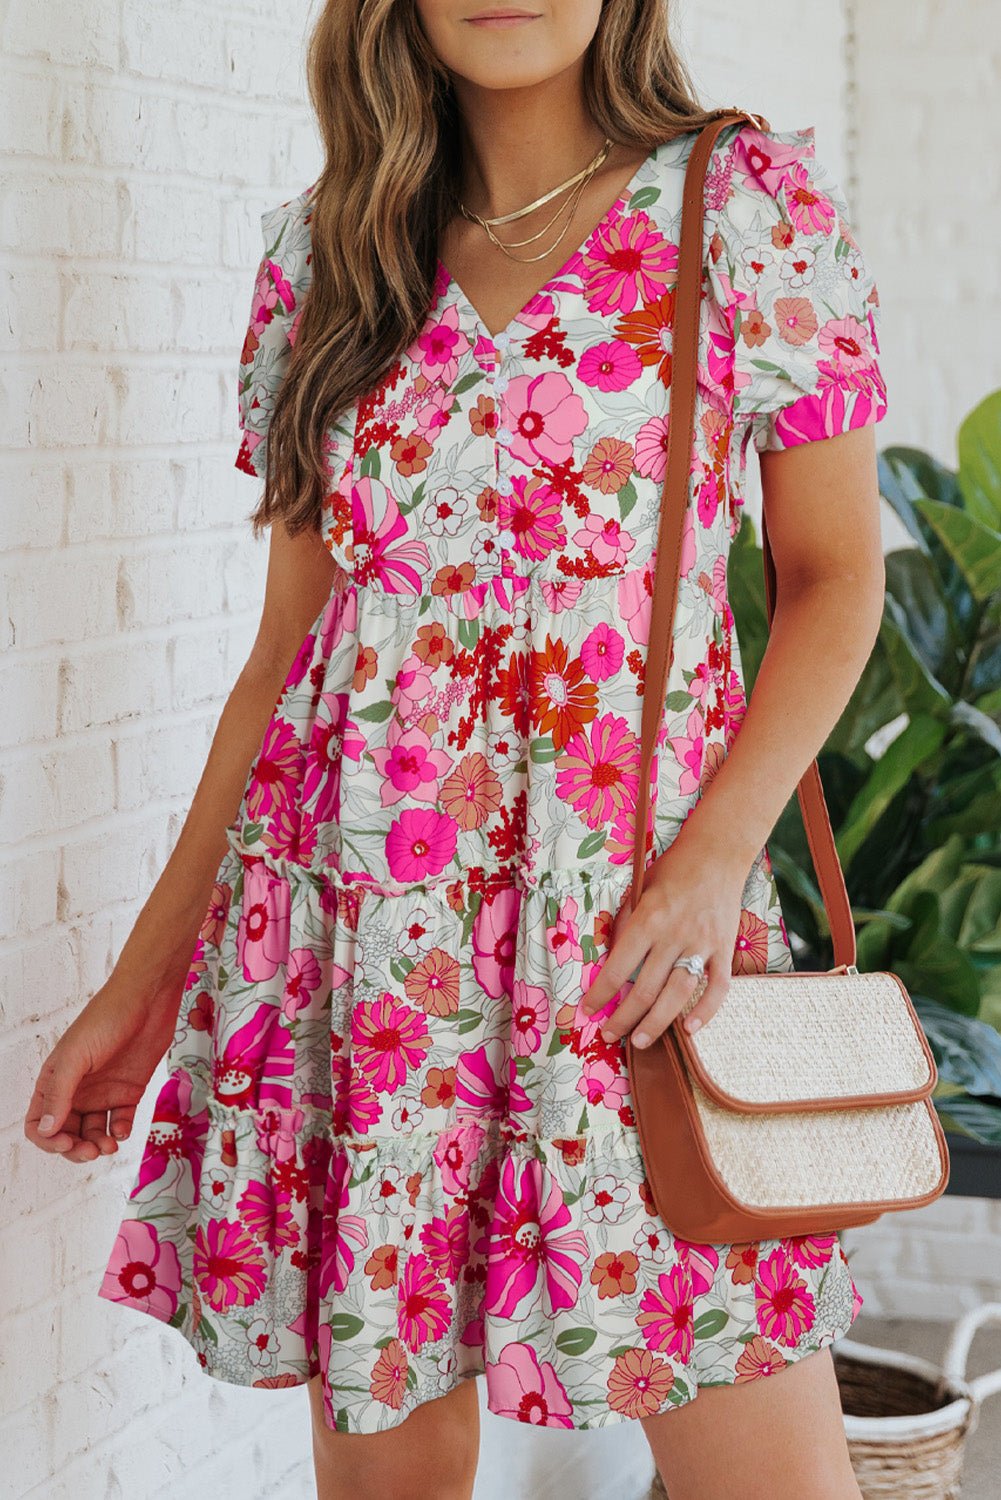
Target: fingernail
<point x="46" y="1123"/>
<point x="608" y="1035"/>
<point x="693" y="1023"/>
<point x="120" y="1130"/>
<point x="640" y="1039"/>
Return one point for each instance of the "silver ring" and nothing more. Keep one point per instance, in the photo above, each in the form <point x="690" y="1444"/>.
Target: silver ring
<point x="693" y="962"/>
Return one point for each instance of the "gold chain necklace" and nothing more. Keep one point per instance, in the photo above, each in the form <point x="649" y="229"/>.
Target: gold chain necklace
<point x="579" y="179"/>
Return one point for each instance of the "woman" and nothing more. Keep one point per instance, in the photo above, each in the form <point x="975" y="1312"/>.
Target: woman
<point x="395" y="1148"/>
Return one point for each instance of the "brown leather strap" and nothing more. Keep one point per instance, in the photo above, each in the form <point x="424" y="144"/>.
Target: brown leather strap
<point x="674" y="504"/>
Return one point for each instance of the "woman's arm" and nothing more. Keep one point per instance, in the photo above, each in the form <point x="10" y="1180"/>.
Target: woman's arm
<point x="821" y="503"/>
<point x="97" y="1072"/>
<point x="299" y="577"/>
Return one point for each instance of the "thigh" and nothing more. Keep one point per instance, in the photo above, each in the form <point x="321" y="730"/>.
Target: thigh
<point x="433" y="1451"/>
<point x="781" y="1436"/>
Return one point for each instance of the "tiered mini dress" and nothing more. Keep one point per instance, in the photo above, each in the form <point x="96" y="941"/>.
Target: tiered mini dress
<point x="390" y="1148"/>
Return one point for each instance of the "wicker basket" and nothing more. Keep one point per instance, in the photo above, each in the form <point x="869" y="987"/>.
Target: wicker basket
<point x="906" y="1420"/>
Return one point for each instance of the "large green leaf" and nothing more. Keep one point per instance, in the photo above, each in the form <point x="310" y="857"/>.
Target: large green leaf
<point x="925" y="613"/>
<point x="973" y="547"/>
<point x="974" y="1117"/>
<point x="890" y="773"/>
<point x="919" y="688"/>
<point x="979" y="445"/>
<point x="966" y="1051"/>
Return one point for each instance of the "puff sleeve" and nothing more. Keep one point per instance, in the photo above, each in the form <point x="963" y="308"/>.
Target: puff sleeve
<point x="802" y="300"/>
<point x="280" y="285"/>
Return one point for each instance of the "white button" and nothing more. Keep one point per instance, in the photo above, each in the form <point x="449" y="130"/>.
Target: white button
<point x="502" y="340"/>
<point x="501" y="384"/>
<point x="504" y="484"/>
<point x="504" y="435"/>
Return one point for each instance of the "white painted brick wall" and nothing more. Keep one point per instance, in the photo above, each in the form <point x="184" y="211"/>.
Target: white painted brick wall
<point x="140" y="143"/>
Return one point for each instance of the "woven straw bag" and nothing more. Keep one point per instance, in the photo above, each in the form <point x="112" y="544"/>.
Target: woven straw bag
<point x="803" y="1105"/>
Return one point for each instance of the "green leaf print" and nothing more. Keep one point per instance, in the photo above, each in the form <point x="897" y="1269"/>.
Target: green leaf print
<point x="400" y="968"/>
<point x="576" y="1341"/>
<point x="468" y="632"/>
<point x="376" y="713"/>
<point x="557" y="1042"/>
<point x="344" y="1326"/>
<point x="468" y="1020"/>
<point x="626" y="498"/>
<point x="675" y="702"/>
<point x="592" y="844"/>
<point x="252" y="832"/>
<point x="710" y="1323"/>
<point x="582" y="1123"/>
<point x="643" y="198"/>
<point x="371" y="465"/>
<point x="467" y="382"/>
<point x="542" y="750"/>
<point x="405" y="506"/>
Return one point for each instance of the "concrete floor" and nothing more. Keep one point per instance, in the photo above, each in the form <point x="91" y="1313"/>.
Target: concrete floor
<point x="982" y="1470"/>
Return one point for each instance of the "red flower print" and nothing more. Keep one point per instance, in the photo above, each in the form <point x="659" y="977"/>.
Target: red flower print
<point x="784" y="1304"/>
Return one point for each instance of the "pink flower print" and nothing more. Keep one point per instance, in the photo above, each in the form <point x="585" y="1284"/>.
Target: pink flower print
<point x="601" y="1084"/>
<point x="175" y="1135"/>
<point x="635" y="591"/>
<point x="455" y="1155"/>
<point x="334" y="739"/>
<point x="273" y="295"/>
<point x="768" y="163"/>
<point x="845" y="342"/>
<point x="343" y="1233"/>
<point x="529" y="1018"/>
<point x="598" y="772"/>
<point x="522" y="1388"/>
<point x="228" y="1266"/>
<point x="562" y="938"/>
<point x="377" y="553"/>
<point x="601" y="652"/>
<point x="302" y="977"/>
<point x="480" y="1083"/>
<point x="545" y="414"/>
<point x="269" y="1216"/>
<point x="446" y="1241"/>
<point x="702" y="1262"/>
<point x="143" y="1271"/>
<point x="528" y="1260"/>
<point x="628" y="262"/>
<point x="810" y="211"/>
<point x="665" y="1316"/>
<point x="388" y="1038"/>
<point x="409" y="765"/>
<point x="433" y="412"/>
<point x="423" y="1308"/>
<point x="784" y="1305"/>
<point x="276" y="773"/>
<point x="276" y="1133"/>
<point x="533" y="512"/>
<point x="495" y="935"/>
<point x="651" y="449"/>
<point x="603" y="536"/>
<point x="356" y="1107"/>
<point x="258" y="1051"/>
<point x="262" y="932"/>
<point x="610" y="366"/>
<point x="811" y="1250"/>
<point x="441" y="346"/>
<point x="689" y="752"/>
<point x="560" y="594"/>
<point x="413" y="684"/>
<point x="842" y="402"/>
<point x="419" y="843"/>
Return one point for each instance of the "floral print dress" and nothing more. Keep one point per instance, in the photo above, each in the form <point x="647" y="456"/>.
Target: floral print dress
<point x="391" y="1149"/>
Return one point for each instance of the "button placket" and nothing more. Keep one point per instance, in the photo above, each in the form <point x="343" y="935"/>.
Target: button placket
<point x="502" y="437"/>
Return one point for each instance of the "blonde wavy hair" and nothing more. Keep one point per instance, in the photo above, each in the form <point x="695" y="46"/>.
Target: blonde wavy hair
<point x="390" y="129"/>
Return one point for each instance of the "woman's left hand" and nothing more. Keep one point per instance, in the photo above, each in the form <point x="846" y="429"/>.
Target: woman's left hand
<point x="691" y="903"/>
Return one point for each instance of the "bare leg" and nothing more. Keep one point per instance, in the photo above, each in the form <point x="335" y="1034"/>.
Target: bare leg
<point x="780" y="1437"/>
<point x="432" y="1452"/>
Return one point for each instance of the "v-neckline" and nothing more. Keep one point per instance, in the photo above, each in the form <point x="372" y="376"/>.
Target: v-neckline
<point x="507" y="334"/>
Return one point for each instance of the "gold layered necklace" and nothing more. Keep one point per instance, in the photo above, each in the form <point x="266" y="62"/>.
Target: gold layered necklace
<point x="578" y="182"/>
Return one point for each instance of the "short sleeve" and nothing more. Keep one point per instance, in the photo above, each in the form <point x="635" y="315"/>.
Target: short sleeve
<point x="280" y="285"/>
<point x="804" y="305"/>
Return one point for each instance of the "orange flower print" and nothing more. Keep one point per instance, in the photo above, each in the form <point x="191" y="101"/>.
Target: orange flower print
<point x="608" y="465"/>
<point x="389" y="1375"/>
<point x="434" y="983"/>
<point x="563" y="700"/>
<point x="366" y="665"/>
<point x="381" y="1267"/>
<point x="741" y="1261"/>
<point x="439" y="1090"/>
<point x="614" y="1273"/>
<point x="648" y="330"/>
<point x="483" y="417"/>
<point x="639" y="1383"/>
<point x="758" y="1358"/>
<point x="433" y="645"/>
<point x="472" y="791"/>
<point x="795" y="320"/>
<point x="754" y="328"/>
<point x="751" y="947"/>
<point x="453" y="578"/>
<point x="411" y="454"/>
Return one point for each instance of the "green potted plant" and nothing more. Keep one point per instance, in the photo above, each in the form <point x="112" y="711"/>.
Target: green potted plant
<point x="912" y="777"/>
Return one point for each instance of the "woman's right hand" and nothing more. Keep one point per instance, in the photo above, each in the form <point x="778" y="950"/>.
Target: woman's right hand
<point x="101" y="1066"/>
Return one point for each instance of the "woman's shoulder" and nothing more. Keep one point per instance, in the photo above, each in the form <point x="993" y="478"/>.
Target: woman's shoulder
<point x="762" y="176"/>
